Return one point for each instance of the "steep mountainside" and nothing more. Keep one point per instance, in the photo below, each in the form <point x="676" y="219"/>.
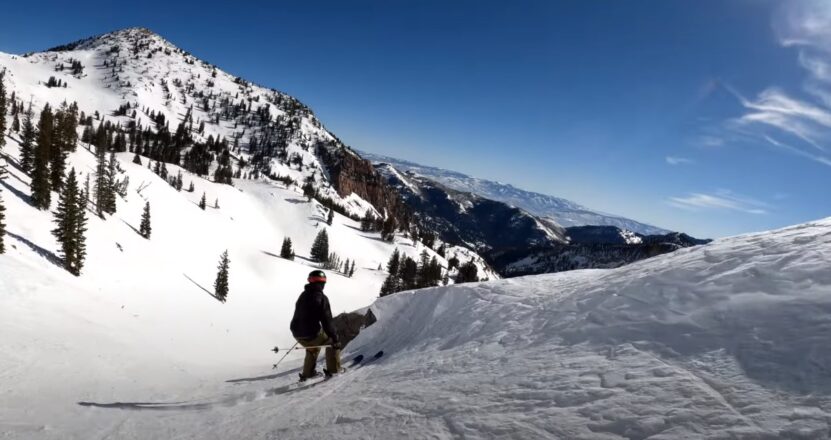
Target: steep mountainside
<point x="138" y="81"/>
<point x="559" y="211"/>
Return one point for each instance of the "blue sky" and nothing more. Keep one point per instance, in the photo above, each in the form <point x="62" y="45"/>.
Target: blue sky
<point x="711" y="117"/>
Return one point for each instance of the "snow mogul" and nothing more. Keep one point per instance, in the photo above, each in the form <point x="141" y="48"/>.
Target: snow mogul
<point x="313" y="329"/>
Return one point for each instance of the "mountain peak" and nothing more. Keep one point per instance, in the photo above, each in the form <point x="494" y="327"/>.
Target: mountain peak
<point x="131" y="35"/>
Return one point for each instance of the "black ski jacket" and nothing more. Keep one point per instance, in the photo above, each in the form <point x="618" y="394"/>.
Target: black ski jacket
<point x="310" y="312"/>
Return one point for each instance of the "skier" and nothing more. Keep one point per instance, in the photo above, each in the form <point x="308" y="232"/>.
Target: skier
<point x="312" y="327"/>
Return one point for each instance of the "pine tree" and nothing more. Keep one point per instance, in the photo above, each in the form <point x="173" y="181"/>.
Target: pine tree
<point x="16" y="123"/>
<point x="57" y="155"/>
<point x="422" y="276"/>
<point x="101" y="144"/>
<point x="331" y="217"/>
<point x="452" y="263"/>
<point x="368" y="221"/>
<point x="394" y="263"/>
<point x="2" y="226"/>
<point x="41" y="188"/>
<point x="352" y="269"/>
<point x="434" y="272"/>
<point x="286" y="250"/>
<point x="70" y="218"/>
<point x="137" y="159"/>
<point x="216" y="203"/>
<point x="101" y="188"/>
<point x="309" y="191"/>
<point x="144" y="228"/>
<point x="27" y="137"/>
<point x="203" y="203"/>
<point x="408" y="273"/>
<point x="390" y="286"/>
<point x="468" y="273"/>
<point x="86" y="193"/>
<point x="190" y="188"/>
<point x="112" y="181"/>
<point x="3" y="106"/>
<point x="320" y="247"/>
<point x="66" y="127"/>
<point x="388" y="229"/>
<point x="221" y="283"/>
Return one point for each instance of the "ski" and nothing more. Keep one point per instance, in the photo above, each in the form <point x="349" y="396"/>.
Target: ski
<point x="356" y="360"/>
<point x="361" y="362"/>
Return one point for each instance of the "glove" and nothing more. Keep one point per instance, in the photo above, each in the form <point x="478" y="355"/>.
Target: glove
<point x="337" y="345"/>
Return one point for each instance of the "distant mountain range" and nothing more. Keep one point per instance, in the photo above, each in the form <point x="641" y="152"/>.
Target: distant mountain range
<point x="563" y="212"/>
<point x="515" y="242"/>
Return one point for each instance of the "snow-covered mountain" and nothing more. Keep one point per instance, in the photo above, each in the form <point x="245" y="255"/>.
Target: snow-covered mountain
<point x="135" y="78"/>
<point x="142" y="93"/>
<point x="515" y="242"/>
<point x="560" y="211"/>
<point x="468" y="219"/>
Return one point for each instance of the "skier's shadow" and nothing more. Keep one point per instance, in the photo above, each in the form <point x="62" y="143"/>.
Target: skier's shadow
<point x="196" y="406"/>
<point x="266" y="377"/>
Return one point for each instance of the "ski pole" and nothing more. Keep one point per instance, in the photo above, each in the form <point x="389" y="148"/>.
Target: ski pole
<point x="295" y="347"/>
<point x="284" y="356"/>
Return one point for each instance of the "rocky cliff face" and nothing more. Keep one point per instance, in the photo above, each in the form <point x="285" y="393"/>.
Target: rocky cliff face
<point x="350" y="174"/>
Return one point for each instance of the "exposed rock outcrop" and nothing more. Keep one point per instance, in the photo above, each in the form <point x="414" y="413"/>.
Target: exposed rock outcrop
<point x="348" y="325"/>
<point x="349" y="173"/>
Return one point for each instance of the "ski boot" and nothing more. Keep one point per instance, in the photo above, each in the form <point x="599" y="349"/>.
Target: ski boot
<point x="330" y="374"/>
<point x="305" y="378"/>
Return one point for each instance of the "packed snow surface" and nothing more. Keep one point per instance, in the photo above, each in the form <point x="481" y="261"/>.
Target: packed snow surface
<point x="726" y="340"/>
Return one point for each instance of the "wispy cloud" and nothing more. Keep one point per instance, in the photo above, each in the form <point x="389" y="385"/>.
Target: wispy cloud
<point x="675" y="160"/>
<point x="721" y="200"/>
<point x="803" y="126"/>
<point x="799" y="152"/>
<point x="710" y="141"/>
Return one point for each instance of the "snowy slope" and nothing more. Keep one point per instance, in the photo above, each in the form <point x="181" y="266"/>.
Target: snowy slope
<point x="142" y="309"/>
<point x="726" y="340"/>
<point x="562" y="212"/>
